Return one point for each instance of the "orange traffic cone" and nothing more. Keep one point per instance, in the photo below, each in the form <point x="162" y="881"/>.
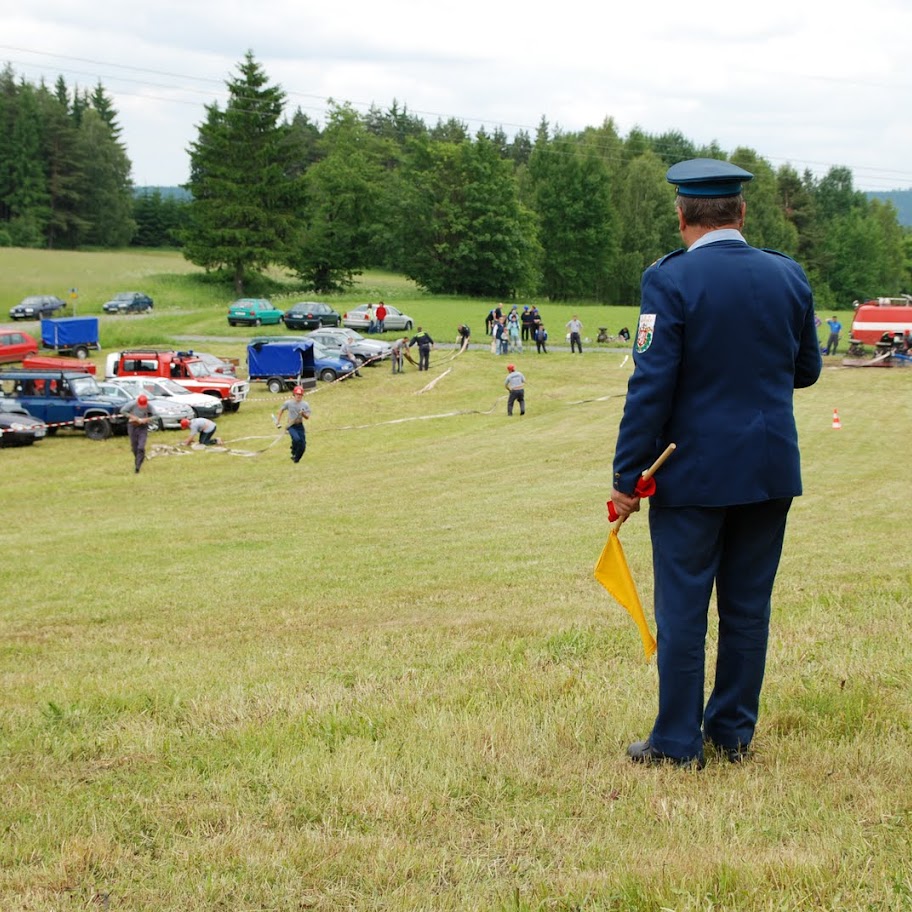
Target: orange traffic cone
<point x="837" y="424"/>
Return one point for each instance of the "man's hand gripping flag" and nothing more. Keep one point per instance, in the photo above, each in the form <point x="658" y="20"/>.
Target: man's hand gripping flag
<point x="611" y="569"/>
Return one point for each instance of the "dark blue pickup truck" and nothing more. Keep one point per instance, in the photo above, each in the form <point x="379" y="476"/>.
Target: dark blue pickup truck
<point x="64" y="399"/>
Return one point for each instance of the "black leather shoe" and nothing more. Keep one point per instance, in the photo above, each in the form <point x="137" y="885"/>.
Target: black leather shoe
<point x="644" y="752"/>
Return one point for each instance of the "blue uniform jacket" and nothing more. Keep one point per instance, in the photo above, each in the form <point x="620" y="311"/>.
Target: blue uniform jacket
<point x="733" y="336"/>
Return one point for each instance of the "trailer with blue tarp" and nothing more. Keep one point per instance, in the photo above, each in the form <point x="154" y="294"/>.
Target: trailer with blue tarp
<point x="75" y="336"/>
<point x="282" y="365"/>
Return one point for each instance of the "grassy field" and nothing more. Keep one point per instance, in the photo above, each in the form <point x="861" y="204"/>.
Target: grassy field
<point x="384" y="679"/>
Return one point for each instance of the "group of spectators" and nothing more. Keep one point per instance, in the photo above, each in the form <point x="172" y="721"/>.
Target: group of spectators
<point x="509" y="331"/>
<point x="376" y="317"/>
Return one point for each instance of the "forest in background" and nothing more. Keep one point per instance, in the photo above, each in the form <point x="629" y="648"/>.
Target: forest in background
<point x="564" y="215"/>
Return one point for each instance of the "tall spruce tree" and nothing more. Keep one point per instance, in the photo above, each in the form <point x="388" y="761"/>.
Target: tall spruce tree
<point x="67" y="222"/>
<point x="244" y="205"/>
<point x="105" y="190"/>
<point x="28" y="199"/>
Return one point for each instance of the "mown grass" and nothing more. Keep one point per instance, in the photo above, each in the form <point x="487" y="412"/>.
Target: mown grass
<point x="385" y="678"/>
<point x="190" y="302"/>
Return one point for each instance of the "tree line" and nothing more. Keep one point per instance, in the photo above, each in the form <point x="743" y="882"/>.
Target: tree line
<point x="64" y="172"/>
<point x="563" y="215"/>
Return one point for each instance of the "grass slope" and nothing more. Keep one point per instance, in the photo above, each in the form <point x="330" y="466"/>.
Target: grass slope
<point x="385" y="678"/>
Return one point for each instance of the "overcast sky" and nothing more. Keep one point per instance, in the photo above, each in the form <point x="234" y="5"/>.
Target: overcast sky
<point x="800" y="82"/>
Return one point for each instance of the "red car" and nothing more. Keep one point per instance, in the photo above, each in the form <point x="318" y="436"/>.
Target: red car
<point x="15" y="345"/>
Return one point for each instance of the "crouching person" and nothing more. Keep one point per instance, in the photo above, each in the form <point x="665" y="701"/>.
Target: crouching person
<point x="204" y="427"/>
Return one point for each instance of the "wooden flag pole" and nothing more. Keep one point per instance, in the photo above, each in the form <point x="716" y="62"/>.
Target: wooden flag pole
<point x="646" y="476"/>
<point x="660" y="461"/>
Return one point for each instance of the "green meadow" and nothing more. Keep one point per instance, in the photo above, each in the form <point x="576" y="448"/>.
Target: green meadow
<point x="385" y="679"/>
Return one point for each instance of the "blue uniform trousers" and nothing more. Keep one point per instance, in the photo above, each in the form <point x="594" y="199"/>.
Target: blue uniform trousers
<point x="298" y="441"/>
<point x="737" y="548"/>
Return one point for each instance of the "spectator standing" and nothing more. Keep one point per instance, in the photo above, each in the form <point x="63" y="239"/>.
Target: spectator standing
<point x="526" y="319"/>
<point x="541" y="338"/>
<point x="381" y="317"/>
<point x="717" y="520"/>
<point x="576" y="338"/>
<point x="513" y="330"/>
<point x="298" y="412"/>
<point x="497" y="331"/>
<point x="371" y="319"/>
<point x="139" y="415"/>
<point x="536" y="319"/>
<point x="489" y="322"/>
<point x="206" y="429"/>
<point x="833" y="339"/>
<point x="515" y="340"/>
<point x="516" y="387"/>
<point x="424" y="342"/>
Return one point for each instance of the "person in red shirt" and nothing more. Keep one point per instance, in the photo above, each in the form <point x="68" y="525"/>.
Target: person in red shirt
<point x="381" y="316"/>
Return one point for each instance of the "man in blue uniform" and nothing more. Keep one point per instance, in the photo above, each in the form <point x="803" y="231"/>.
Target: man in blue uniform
<point x="726" y="334"/>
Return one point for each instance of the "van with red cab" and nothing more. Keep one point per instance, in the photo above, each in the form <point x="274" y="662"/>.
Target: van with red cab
<point x="184" y="368"/>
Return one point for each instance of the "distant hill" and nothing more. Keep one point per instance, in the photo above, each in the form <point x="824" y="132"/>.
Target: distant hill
<point x="177" y="193"/>
<point x="902" y="199"/>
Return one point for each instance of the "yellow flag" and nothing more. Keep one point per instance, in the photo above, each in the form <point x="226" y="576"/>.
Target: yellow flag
<point x="612" y="572"/>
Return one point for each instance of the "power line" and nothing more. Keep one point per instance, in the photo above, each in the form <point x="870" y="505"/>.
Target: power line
<point x="888" y="178"/>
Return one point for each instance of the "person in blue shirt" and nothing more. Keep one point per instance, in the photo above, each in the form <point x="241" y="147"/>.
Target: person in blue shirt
<point x="717" y="520"/>
<point x="833" y="340"/>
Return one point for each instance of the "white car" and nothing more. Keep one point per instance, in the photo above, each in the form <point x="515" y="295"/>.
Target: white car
<point x="372" y="351"/>
<point x="203" y="406"/>
<point x="168" y="411"/>
<point x="357" y="318"/>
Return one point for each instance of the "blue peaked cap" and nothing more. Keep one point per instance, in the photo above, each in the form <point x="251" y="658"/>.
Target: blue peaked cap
<point x="707" y="177"/>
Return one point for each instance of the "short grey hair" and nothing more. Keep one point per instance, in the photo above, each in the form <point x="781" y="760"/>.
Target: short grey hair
<point x="710" y="211"/>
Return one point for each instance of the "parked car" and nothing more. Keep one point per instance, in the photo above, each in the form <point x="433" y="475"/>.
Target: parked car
<point x="161" y="387"/>
<point x="64" y="399"/>
<point x="357" y="318"/>
<point x="184" y="368"/>
<point x="17" y="426"/>
<point x="36" y="306"/>
<point x="167" y="410"/>
<point x="214" y="363"/>
<point x="372" y="351"/>
<point x="253" y="312"/>
<point x="15" y="345"/>
<point x="331" y="366"/>
<point x="311" y="315"/>
<point x="128" y="302"/>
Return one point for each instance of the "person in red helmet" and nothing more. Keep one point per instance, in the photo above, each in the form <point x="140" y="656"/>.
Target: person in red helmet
<point x="202" y="426"/>
<point x="298" y="412"/>
<point x="139" y="416"/>
<point x="516" y="386"/>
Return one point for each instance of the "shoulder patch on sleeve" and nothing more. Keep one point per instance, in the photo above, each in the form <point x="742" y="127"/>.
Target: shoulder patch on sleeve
<point x="645" y="332"/>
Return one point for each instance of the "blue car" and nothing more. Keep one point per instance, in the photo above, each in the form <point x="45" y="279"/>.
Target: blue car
<point x="329" y="365"/>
